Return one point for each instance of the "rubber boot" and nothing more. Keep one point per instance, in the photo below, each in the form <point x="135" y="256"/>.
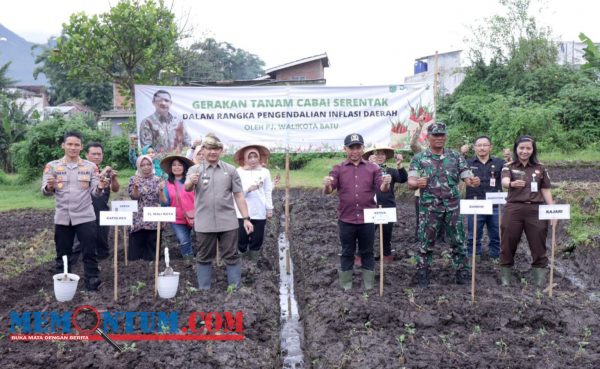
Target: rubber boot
<point x="505" y="276"/>
<point x="234" y="275"/>
<point x="253" y="255"/>
<point x="539" y="277"/>
<point x="204" y="275"/>
<point x="368" y="277"/>
<point x="422" y="277"/>
<point x="345" y="279"/>
<point x="463" y="276"/>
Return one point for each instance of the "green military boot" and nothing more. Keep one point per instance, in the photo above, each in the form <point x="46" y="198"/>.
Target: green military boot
<point x="253" y="255"/>
<point x="539" y="276"/>
<point x="505" y="275"/>
<point x="368" y="277"/>
<point x="346" y="279"/>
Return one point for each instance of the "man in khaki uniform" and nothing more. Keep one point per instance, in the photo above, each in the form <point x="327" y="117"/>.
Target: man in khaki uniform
<point x="216" y="185"/>
<point x="72" y="180"/>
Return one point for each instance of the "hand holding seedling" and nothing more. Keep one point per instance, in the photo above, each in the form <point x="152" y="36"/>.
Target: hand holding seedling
<point x="51" y="183"/>
<point x="465" y="149"/>
<point x="387" y="179"/>
<point x="422" y="182"/>
<point x="518" y="183"/>
<point x="472" y="181"/>
<point x="327" y="181"/>
<point x="194" y="178"/>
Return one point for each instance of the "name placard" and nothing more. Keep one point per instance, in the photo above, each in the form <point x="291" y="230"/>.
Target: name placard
<point x="497" y="198"/>
<point x="555" y="211"/>
<point x="116" y="218"/>
<point x="380" y="215"/>
<point x="483" y="207"/>
<point x="159" y="214"/>
<point x="127" y="205"/>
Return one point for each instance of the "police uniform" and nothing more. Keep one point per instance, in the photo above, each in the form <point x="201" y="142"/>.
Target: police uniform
<point x="74" y="185"/>
<point x="521" y="213"/>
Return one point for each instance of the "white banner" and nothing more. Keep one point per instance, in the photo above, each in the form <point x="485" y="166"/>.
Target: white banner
<point x="125" y="205"/>
<point x="303" y="118"/>
<point x="116" y="218"/>
<point x="159" y="214"/>
<point x="555" y="211"/>
<point x="483" y="207"/>
<point x="497" y="198"/>
<point x="380" y="215"/>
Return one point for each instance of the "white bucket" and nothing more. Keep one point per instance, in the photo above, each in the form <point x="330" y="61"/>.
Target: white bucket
<point x="167" y="285"/>
<point x="65" y="290"/>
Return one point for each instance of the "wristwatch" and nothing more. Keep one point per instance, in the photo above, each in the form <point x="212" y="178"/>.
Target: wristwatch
<point x="246" y="218"/>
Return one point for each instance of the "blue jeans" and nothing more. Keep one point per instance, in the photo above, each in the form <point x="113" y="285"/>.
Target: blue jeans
<point x="491" y="222"/>
<point x="184" y="236"/>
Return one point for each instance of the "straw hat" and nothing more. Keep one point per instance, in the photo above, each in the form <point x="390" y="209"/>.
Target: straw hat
<point x="263" y="152"/>
<point x="165" y="164"/>
<point x="389" y="152"/>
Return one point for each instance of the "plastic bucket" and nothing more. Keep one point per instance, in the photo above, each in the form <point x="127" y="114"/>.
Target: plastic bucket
<point x="167" y="285"/>
<point x="65" y="290"/>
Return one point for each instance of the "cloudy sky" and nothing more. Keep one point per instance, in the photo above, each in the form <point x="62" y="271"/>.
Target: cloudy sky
<point x="368" y="42"/>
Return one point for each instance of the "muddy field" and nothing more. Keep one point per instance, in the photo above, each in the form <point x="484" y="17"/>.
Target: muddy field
<point x="515" y="327"/>
<point x="258" y="299"/>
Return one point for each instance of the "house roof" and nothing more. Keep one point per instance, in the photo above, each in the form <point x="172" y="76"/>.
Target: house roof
<point x="429" y="56"/>
<point x="323" y="57"/>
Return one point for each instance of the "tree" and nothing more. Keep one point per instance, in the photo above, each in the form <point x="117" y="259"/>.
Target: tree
<point x="591" y="53"/>
<point x="210" y="60"/>
<point x="97" y="96"/>
<point x="130" y="44"/>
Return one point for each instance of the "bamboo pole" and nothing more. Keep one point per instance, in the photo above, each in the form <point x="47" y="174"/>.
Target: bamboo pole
<point x="287" y="209"/>
<point x="125" y="245"/>
<point x="474" y="258"/>
<point x="552" y="259"/>
<point x="380" y="258"/>
<point x="156" y="259"/>
<point x="115" y="263"/>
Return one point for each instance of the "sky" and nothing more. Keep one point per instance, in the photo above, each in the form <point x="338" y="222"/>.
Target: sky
<point x="371" y="42"/>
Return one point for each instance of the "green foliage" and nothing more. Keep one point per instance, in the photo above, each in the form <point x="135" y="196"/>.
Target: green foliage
<point x="210" y="60"/>
<point x="591" y="53"/>
<point x="130" y="44"/>
<point x="43" y="144"/>
<point x="298" y="160"/>
<point x="97" y="96"/>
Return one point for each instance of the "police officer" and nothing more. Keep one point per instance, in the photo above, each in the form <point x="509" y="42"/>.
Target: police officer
<point x="437" y="171"/>
<point x="528" y="186"/>
<point x="488" y="169"/>
<point x="72" y="180"/>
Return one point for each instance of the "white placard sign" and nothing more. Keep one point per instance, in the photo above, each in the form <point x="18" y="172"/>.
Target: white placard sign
<point x="555" y="211"/>
<point x="497" y="198"/>
<point x="128" y="205"/>
<point x="380" y="215"/>
<point x="483" y="207"/>
<point x="159" y="214"/>
<point x="116" y="218"/>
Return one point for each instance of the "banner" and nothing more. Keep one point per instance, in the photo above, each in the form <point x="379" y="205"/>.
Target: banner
<point x="301" y="118"/>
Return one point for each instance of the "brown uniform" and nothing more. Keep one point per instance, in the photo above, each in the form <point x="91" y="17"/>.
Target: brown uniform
<point x="521" y="213"/>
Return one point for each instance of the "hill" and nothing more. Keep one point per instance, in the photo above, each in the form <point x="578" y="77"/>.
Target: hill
<point x="17" y="50"/>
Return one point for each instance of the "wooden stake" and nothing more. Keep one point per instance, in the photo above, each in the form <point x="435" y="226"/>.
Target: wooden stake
<point x="380" y="259"/>
<point x="435" y="85"/>
<point x="500" y="223"/>
<point x="115" y="263"/>
<point x="125" y="245"/>
<point x="552" y="259"/>
<point x="287" y="210"/>
<point x="156" y="259"/>
<point x="474" y="257"/>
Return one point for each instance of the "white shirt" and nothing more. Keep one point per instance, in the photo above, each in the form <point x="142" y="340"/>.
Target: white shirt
<point x="260" y="200"/>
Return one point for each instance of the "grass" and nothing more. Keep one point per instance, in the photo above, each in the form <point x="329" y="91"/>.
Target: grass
<point x="580" y="156"/>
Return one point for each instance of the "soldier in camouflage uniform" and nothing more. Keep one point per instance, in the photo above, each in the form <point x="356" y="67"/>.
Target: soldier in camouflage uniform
<point x="437" y="172"/>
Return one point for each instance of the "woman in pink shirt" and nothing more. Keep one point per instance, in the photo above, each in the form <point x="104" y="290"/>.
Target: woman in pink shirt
<point x="176" y="168"/>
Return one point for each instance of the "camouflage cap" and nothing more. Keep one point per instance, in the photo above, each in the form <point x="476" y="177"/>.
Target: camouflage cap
<point x="437" y="128"/>
<point x="211" y="141"/>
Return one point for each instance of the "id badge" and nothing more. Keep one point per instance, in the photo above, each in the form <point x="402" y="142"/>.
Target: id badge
<point x="534" y="187"/>
<point x="492" y="182"/>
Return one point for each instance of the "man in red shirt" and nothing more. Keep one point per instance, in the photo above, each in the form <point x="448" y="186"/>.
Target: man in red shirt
<point x="356" y="181"/>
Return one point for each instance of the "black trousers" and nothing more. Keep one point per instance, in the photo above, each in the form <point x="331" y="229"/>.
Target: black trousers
<point x="86" y="233"/>
<point x="142" y="245"/>
<point x="254" y="240"/>
<point x="353" y="236"/>
<point x="387" y="238"/>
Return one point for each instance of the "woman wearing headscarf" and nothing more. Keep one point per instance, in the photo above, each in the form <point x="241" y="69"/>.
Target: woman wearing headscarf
<point x="151" y="152"/>
<point x="528" y="186"/>
<point x="258" y="188"/>
<point x="147" y="189"/>
<point x="176" y="168"/>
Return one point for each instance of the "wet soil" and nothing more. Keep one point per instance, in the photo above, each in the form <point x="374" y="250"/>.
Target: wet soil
<point x="258" y="299"/>
<point x="437" y="327"/>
